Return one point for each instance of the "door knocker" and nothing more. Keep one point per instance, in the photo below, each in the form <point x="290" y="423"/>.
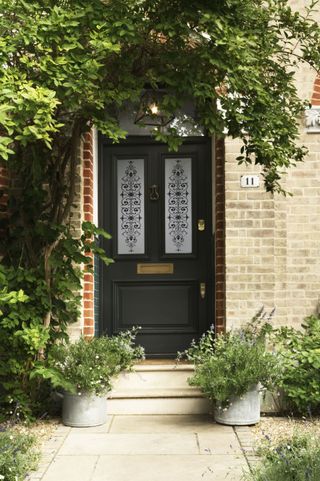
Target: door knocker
<point x="153" y="192"/>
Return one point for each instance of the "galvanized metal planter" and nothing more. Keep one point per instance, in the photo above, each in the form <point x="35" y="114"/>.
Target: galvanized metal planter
<point x="84" y="410"/>
<point x="242" y="411"/>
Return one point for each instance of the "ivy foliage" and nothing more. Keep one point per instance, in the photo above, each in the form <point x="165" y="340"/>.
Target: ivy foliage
<point x="25" y="332"/>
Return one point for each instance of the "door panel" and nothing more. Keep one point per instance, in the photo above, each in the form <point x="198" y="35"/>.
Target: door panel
<point x="175" y="304"/>
<point x="150" y="201"/>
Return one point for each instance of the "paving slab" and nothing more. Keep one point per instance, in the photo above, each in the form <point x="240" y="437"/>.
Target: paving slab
<point x="103" y="428"/>
<point x="224" y="443"/>
<point x="71" y="468"/>
<point x="130" y="444"/>
<point x="144" y="448"/>
<point x="168" y="468"/>
<point x="166" y="424"/>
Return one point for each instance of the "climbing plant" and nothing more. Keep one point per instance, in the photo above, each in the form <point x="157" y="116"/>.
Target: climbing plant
<point x="68" y="65"/>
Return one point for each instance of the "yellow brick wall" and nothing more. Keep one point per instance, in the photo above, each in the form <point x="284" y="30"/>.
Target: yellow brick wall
<point x="273" y="242"/>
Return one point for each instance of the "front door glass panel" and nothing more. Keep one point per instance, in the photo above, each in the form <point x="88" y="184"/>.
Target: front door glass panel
<point x="130" y="196"/>
<point x="178" y="205"/>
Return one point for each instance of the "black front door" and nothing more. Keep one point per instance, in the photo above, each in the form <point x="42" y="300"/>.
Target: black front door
<point x="157" y="207"/>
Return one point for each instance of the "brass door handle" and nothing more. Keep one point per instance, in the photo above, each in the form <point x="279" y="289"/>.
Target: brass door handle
<point x="201" y="225"/>
<point x="202" y="290"/>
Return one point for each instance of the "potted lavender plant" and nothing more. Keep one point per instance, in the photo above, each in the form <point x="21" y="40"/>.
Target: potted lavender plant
<point x="231" y="369"/>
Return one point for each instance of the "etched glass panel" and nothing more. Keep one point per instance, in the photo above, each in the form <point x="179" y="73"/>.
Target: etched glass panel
<point x="178" y="206"/>
<point x="130" y="185"/>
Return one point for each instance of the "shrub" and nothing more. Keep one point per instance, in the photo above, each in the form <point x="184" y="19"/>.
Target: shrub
<point x="88" y="366"/>
<point x="300" y="354"/>
<point x="294" y="459"/>
<point x="17" y="455"/>
<point x="33" y="316"/>
<point x="234" y="361"/>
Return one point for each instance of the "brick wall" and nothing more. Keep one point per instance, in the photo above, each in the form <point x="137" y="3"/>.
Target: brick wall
<point x="219" y="202"/>
<point x="88" y="285"/>
<point x="250" y="243"/>
<point x="315" y="99"/>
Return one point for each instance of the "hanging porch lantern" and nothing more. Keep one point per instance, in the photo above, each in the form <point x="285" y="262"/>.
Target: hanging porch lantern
<point x="150" y="111"/>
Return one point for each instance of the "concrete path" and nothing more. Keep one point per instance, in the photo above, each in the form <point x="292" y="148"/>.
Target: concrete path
<point x="146" y="448"/>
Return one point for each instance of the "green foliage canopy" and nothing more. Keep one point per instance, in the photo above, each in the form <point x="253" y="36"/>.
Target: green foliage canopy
<point x="65" y="65"/>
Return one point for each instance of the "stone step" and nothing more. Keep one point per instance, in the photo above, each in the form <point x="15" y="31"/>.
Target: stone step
<point x="155" y="393"/>
<point x="153" y="376"/>
<point x="156" y="388"/>
<point x="172" y="405"/>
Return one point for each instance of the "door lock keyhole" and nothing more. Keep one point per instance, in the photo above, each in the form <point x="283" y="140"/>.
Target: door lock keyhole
<point x="153" y="192"/>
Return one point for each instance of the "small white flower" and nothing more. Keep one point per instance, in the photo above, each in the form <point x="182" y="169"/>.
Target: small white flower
<point x="1" y="476"/>
<point x="11" y="437"/>
<point x="79" y="393"/>
<point x="97" y="357"/>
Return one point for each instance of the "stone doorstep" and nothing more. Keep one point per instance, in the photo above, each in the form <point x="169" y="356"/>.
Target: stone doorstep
<point x="154" y="376"/>
<point x="155" y="393"/>
<point x="158" y="405"/>
<point x="157" y="387"/>
<point x="162" y="365"/>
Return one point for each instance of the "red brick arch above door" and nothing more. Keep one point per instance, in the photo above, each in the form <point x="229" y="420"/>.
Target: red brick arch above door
<point x="315" y="99"/>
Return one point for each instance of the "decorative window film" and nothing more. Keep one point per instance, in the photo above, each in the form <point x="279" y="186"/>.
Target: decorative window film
<point x="130" y="195"/>
<point x="178" y="206"/>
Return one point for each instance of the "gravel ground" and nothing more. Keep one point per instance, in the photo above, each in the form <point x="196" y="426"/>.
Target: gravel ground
<point x="274" y="429"/>
<point x="41" y="430"/>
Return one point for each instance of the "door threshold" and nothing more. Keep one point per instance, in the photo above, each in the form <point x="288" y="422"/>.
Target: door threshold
<point x="150" y="362"/>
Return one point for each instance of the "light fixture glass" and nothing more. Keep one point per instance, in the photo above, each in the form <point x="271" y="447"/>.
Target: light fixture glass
<point x="150" y="111"/>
